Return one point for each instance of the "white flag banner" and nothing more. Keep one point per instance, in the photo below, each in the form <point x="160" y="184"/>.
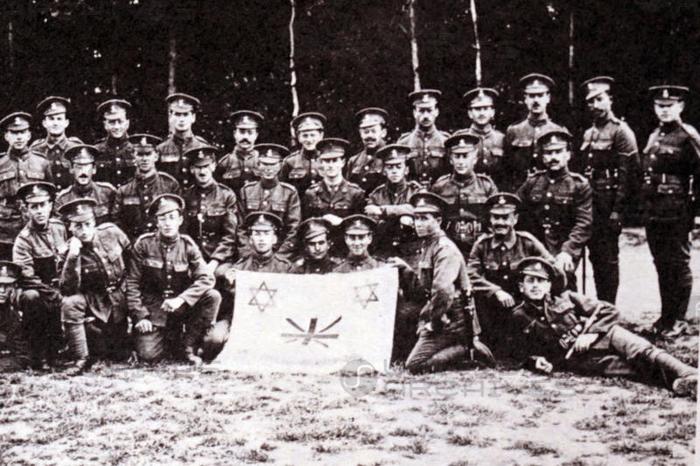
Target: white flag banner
<point x="311" y="323"/>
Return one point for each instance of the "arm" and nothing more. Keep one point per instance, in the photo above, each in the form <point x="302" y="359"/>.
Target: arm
<point x="625" y="146"/>
<point x="134" y="299"/>
<point x="476" y="272"/>
<point x="581" y="231"/>
<point x="202" y="277"/>
<point x="291" y="223"/>
<point x="227" y="247"/>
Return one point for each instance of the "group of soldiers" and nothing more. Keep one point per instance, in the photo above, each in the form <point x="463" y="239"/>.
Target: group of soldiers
<point x="132" y="245"/>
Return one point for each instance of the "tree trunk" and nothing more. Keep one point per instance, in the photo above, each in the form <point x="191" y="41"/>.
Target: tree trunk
<point x="10" y="47"/>
<point x="477" y="43"/>
<point x="292" y="69"/>
<point x="414" y="45"/>
<point x="172" y="63"/>
<point x="571" y="58"/>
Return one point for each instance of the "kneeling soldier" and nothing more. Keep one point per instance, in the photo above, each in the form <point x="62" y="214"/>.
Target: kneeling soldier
<point x="14" y="353"/>
<point x="169" y="285"/>
<point x="358" y="230"/>
<point x="93" y="307"/>
<point x="314" y="238"/>
<point x="568" y="330"/>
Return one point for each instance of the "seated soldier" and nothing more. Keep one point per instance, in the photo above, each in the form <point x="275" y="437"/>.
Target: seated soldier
<point x="262" y="228"/>
<point x="169" y="286"/>
<point x="313" y="237"/>
<point x="93" y="307"/>
<point x="358" y="230"/>
<point x="567" y="330"/>
<point x="14" y="350"/>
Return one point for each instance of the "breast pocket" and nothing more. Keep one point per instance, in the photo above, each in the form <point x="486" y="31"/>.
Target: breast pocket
<point x="214" y="219"/>
<point x="232" y="174"/>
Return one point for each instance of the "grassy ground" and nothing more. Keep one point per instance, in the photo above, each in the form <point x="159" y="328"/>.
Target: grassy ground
<point x="121" y="414"/>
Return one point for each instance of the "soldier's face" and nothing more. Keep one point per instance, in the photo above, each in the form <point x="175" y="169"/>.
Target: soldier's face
<point x="169" y="223"/>
<point x="317" y="247"/>
<point x="116" y="126"/>
<point x="7" y="292"/>
<point x="39" y="212"/>
<point x="395" y="171"/>
<point x="309" y="138"/>
<point x="56" y="124"/>
<point x="245" y="137"/>
<point x="425" y="114"/>
<point x="358" y="245"/>
<point x="599" y="105"/>
<point x="426" y="224"/>
<point x="203" y="174"/>
<point x="146" y="160"/>
<point x="668" y="112"/>
<point x="502" y="224"/>
<point x="463" y="163"/>
<point x="18" y="140"/>
<point x="83" y="172"/>
<point x="535" y="288"/>
<point x="481" y="114"/>
<point x="84" y="231"/>
<point x="536" y="102"/>
<point x="556" y="159"/>
<point x="372" y="136"/>
<point x="262" y="241"/>
<point x="182" y="121"/>
<point x="268" y="169"/>
<point x="331" y="167"/>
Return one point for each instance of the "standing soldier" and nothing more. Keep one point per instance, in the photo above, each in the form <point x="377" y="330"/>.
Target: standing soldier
<point x="365" y="168"/>
<point x="521" y="157"/>
<point x="241" y="164"/>
<point x="671" y="169"/>
<point x="182" y="113"/>
<point x="115" y="163"/>
<point x="388" y="204"/>
<point x="134" y="198"/>
<point x="482" y="110"/>
<point x="427" y="160"/>
<point x="358" y="232"/>
<point x="93" y="307"/>
<point x="14" y="352"/>
<point x="53" y="147"/>
<point x="82" y="159"/>
<point x="169" y="285"/>
<point x="271" y="195"/>
<point x="300" y="169"/>
<point x="38" y="250"/>
<point x="333" y="197"/>
<point x="558" y="204"/>
<point x="314" y="237"/>
<point x="466" y="192"/>
<point x="17" y="166"/>
<point x="610" y="151"/>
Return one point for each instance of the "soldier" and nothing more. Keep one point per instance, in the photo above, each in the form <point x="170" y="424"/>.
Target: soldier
<point x="241" y="164"/>
<point x="169" y="285"/>
<point x="448" y="327"/>
<point x="466" y="192"/>
<point x="333" y="197"/>
<point x="481" y="110"/>
<point x="14" y="352"/>
<point x="271" y="195"/>
<point x="115" y="163"/>
<point x="82" y="159"/>
<point x="389" y="206"/>
<point x="491" y="266"/>
<point x="610" y="151"/>
<point x="134" y="198"/>
<point x="300" y="169"/>
<point x="17" y="166"/>
<point x="557" y="203"/>
<point x="38" y="250"/>
<point x="182" y="113"/>
<point x="358" y="232"/>
<point x="54" y="146"/>
<point x="314" y="237"/>
<point x="521" y="157"/>
<point x="365" y="168"/>
<point x="572" y="331"/>
<point x="262" y="228"/>
<point x="427" y="160"/>
<point x="93" y="308"/>
<point x="671" y="168"/>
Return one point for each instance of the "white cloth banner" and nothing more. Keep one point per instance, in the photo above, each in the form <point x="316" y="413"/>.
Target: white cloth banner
<point x="311" y="323"/>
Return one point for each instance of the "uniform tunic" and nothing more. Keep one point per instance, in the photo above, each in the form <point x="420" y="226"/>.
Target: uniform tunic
<point x="300" y="169"/>
<point x="490" y="156"/>
<point x="365" y="170"/>
<point x="392" y="238"/>
<point x="55" y="154"/>
<point x="170" y="153"/>
<point x="115" y="163"/>
<point x="342" y="200"/>
<point x="237" y="168"/>
<point x="104" y="193"/>
<point x="521" y="157"/>
<point x="427" y="160"/>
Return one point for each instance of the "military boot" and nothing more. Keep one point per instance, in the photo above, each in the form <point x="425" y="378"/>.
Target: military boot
<point x="680" y="377"/>
<point x="77" y="342"/>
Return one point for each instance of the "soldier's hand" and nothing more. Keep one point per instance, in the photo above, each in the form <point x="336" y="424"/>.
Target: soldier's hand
<point x="505" y="299"/>
<point x="230" y="277"/>
<point x="373" y="211"/>
<point x="74" y="246"/>
<point x="144" y="326"/>
<point x="397" y="262"/>
<point x="172" y="304"/>
<point x="212" y="265"/>
<point x="333" y="219"/>
<point x="565" y="262"/>
<point x="584" y="341"/>
<point x="541" y="364"/>
<point x="615" y="222"/>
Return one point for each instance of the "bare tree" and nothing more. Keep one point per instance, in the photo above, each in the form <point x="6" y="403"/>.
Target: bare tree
<point x="292" y="69"/>
<point x="172" y="62"/>
<point x="477" y="43"/>
<point x="414" y="44"/>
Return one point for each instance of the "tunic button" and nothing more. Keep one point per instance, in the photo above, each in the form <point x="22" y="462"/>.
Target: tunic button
<point x="119" y="172"/>
<point x="549" y="194"/>
<point x="546" y="207"/>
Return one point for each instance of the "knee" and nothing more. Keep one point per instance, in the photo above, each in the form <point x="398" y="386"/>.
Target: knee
<point x="215" y="339"/>
<point x="73" y="308"/>
<point x="29" y="297"/>
<point x="148" y="352"/>
<point x="209" y="304"/>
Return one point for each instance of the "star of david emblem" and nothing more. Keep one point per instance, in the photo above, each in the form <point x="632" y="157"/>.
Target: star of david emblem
<point x="311" y="334"/>
<point x="262" y="297"/>
<point x="365" y="294"/>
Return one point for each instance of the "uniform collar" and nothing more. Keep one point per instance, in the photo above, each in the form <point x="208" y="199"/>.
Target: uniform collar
<point x="668" y="127"/>
<point x="183" y="138"/>
<point x="600" y="122"/>
<point x="243" y="154"/>
<point x="168" y="241"/>
<point x="38" y="228"/>
<point x="463" y="180"/>
<point x="20" y="155"/>
<point x="358" y="259"/>
<point x="269" y="184"/>
<point x="398" y="187"/>
<point x="508" y="241"/>
<point x="481" y="131"/>
<point x="539" y="121"/>
<point x="114" y="142"/>
<point x="309" y="154"/>
<point x="61" y="142"/>
<point x="558" y="175"/>
<point x="206" y="189"/>
<point x="262" y="259"/>
<point x="146" y="179"/>
<point x="88" y="188"/>
<point x="426" y="132"/>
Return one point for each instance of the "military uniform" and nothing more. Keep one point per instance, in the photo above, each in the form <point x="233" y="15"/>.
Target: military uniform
<point x="393" y="238"/>
<point x="134" y="198"/>
<point x="14" y="350"/>
<point x="609" y="149"/>
<point x="310" y="229"/>
<point x="237" y="168"/>
<point x="365" y="170"/>
<point x="358" y="224"/>
<point x="342" y="200"/>
<point x="115" y="164"/>
<point x="671" y="170"/>
<point x="104" y="193"/>
<point x="300" y="169"/>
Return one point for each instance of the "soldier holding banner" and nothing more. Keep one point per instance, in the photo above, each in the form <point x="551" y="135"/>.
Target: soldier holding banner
<point x="314" y="242"/>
